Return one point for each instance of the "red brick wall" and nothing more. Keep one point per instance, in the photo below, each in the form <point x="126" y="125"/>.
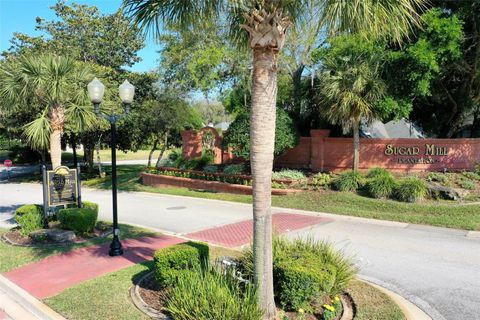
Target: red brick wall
<point x="321" y="153"/>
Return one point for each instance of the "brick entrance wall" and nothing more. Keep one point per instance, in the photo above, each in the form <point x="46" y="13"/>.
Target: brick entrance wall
<point x="322" y="153"/>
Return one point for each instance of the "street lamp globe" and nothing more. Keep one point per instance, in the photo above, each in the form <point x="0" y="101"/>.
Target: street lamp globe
<point x="96" y="90"/>
<point x="126" y="91"/>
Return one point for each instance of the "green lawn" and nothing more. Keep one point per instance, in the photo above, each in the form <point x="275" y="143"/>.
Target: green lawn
<point x="12" y="257"/>
<point x="444" y="214"/>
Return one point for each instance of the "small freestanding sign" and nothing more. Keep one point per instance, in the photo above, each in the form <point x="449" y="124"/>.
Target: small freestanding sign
<point x="60" y="187"/>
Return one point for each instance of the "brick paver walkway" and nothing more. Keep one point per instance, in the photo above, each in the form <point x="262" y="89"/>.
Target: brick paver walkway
<point x="240" y="233"/>
<point x="53" y="274"/>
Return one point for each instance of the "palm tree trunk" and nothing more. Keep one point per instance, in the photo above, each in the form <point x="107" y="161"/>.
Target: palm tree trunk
<point x="356" y="146"/>
<point x="262" y="137"/>
<point x="56" y="114"/>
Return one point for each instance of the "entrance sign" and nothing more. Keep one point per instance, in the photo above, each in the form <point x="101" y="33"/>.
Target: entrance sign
<point x="416" y="154"/>
<point x="62" y="186"/>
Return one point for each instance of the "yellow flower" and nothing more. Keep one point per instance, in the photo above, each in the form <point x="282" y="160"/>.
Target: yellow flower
<point x="337" y="298"/>
<point x="301" y="310"/>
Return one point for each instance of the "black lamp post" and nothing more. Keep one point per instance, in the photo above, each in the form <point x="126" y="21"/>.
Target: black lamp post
<point x="96" y="90"/>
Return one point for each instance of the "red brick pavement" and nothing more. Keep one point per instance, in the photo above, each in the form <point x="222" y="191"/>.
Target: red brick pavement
<point x="52" y="275"/>
<point x="237" y="234"/>
<point x="3" y="315"/>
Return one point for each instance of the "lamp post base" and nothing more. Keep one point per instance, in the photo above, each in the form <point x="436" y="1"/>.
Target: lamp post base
<point x="115" y="247"/>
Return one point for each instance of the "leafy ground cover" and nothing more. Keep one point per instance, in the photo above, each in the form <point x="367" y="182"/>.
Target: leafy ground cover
<point x="436" y="213"/>
<point x="106" y="297"/>
<point x="12" y="257"/>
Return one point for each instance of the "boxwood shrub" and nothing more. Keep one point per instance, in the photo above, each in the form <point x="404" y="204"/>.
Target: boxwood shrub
<point x="81" y="220"/>
<point x="30" y="218"/>
<point x="410" y="189"/>
<point x="172" y="261"/>
<point x="380" y="185"/>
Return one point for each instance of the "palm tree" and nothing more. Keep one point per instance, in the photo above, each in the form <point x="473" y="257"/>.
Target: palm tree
<point x="350" y="88"/>
<point x="266" y="22"/>
<point x="54" y="84"/>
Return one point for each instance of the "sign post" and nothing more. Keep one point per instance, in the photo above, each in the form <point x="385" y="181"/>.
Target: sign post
<point x="8" y="164"/>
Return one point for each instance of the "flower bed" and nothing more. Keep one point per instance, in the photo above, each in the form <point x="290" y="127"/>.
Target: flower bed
<point x="160" y="180"/>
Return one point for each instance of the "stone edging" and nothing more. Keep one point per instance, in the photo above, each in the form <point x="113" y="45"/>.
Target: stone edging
<point x="7" y="240"/>
<point x="142" y="305"/>
<point x="347" y="313"/>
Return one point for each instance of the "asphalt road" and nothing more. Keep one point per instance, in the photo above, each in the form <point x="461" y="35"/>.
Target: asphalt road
<point x="437" y="269"/>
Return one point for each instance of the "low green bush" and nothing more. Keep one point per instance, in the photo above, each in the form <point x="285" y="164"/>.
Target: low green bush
<point x="349" y="181"/>
<point x="375" y="172"/>
<point x="29" y="217"/>
<point x="194" y="163"/>
<point x="90" y="205"/>
<point x="381" y="185"/>
<point x="410" y="189"/>
<point x="234" y="169"/>
<point x="80" y="220"/>
<point x="288" y="174"/>
<point x="211" y="295"/>
<point x="303" y="271"/>
<point x="320" y="180"/>
<point x="471" y="175"/>
<point x="467" y="184"/>
<point x="437" y="177"/>
<point x="172" y="261"/>
<point x="210" y="169"/>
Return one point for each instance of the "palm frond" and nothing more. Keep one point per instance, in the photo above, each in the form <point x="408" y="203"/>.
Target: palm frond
<point x="38" y="132"/>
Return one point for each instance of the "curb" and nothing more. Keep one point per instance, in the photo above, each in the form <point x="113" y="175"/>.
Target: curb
<point x="19" y="304"/>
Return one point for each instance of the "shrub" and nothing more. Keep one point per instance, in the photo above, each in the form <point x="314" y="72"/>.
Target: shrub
<point x="375" y="172"/>
<point x="90" y="205"/>
<point x="477" y="168"/>
<point x="175" y="154"/>
<point x="467" y="184"/>
<point x="167" y="163"/>
<point x="194" y="163"/>
<point x="304" y="270"/>
<point x="210" y="169"/>
<point x="288" y="174"/>
<point x="381" y="185"/>
<point x="210" y="295"/>
<point x="30" y="218"/>
<point x="410" y="189"/>
<point x="437" y="177"/>
<point x="172" y="261"/>
<point x="471" y="175"/>
<point x="234" y="169"/>
<point x="237" y="136"/>
<point x="320" y="180"/>
<point x="81" y="220"/>
<point x="349" y="181"/>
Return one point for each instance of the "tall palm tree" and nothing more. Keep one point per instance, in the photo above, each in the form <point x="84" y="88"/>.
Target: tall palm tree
<point x="266" y="22"/>
<point x="350" y="88"/>
<point x="54" y="84"/>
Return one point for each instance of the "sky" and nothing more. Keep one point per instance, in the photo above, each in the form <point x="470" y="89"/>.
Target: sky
<point x="19" y="16"/>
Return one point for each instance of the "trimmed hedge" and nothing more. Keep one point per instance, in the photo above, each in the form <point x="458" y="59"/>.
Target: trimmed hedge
<point x="171" y="262"/>
<point x="81" y="220"/>
<point x="30" y="218"/>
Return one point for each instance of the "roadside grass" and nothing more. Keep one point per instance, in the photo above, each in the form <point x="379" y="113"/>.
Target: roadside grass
<point x="371" y="303"/>
<point x="436" y="213"/>
<point x="12" y="257"/>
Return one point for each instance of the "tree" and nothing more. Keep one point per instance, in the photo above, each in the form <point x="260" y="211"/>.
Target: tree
<point x="237" y="136"/>
<point x="351" y="86"/>
<point x="58" y="86"/>
<point x="266" y="22"/>
<point x="212" y="112"/>
<point x="83" y="33"/>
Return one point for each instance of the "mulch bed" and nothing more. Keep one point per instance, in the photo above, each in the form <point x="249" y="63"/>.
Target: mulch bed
<point x="14" y="237"/>
<point x="155" y="297"/>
